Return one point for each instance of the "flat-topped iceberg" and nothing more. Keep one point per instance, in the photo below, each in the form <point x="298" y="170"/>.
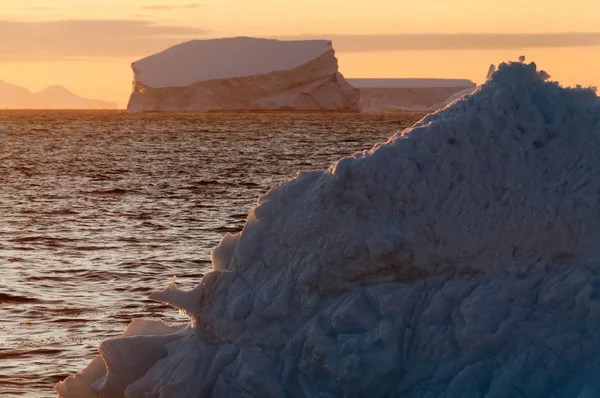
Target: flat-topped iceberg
<point x="378" y="95"/>
<point x="458" y="259"/>
<point x="242" y="74"/>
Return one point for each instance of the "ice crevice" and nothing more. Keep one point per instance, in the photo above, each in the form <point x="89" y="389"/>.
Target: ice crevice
<point x="458" y="259"/>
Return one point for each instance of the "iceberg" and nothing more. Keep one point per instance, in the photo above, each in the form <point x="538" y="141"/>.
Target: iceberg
<point x="458" y="259"/>
<point x="242" y="74"/>
<point x="425" y="95"/>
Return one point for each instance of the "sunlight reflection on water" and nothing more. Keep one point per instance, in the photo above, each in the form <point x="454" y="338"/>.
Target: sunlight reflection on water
<point x="100" y="209"/>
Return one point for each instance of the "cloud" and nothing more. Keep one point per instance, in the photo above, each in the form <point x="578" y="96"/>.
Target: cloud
<point x="75" y="39"/>
<point x="461" y="41"/>
<point x="72" y="39"/>
<point x="166" y="7"/>
<point x="37" y="8"/>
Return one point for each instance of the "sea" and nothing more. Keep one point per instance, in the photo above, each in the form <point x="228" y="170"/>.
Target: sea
<point x="98" y="209"/>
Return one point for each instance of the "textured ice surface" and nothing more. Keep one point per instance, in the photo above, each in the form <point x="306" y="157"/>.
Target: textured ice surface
<point x="240" y="74"/>
<point x="459" y="259"/>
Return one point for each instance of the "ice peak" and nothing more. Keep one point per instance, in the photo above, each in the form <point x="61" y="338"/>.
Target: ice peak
<point x="517" y="72"/>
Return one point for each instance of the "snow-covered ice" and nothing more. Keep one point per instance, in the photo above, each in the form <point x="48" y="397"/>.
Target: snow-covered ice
<point x="458" y="259"/>
<point x="242" y="73"/>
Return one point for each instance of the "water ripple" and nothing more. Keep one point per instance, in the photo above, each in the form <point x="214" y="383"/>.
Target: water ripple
<point x="100" y="209"/>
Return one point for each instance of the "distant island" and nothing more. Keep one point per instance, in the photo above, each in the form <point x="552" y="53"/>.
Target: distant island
<point x="53" y="97"/>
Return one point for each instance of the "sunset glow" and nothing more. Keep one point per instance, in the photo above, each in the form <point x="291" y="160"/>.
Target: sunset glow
<point x="299" y="198"/>
<point x="88" y="47"/>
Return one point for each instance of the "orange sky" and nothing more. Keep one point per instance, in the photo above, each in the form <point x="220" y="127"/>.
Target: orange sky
<point x="88" y="46"/>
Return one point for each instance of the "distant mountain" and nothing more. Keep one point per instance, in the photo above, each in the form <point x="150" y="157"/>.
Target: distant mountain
<point x="15" y="97"/>
<point x="61" y="98"/>
<point x="53" y="97"/>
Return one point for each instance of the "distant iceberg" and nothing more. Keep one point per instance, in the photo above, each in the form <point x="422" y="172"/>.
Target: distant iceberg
<point x="458" y="259"/>
<point x="242" y="74"/>
<point x="425" y="95"/>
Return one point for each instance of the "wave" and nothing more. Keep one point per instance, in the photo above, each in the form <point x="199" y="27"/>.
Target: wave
<point x="108" y="192"/>
<point x="16" y="299"/>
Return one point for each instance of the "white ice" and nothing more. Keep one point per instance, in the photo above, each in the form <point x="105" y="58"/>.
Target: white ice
<point x="242" y="74"/>
<point x="200" y="60"/>
<point x="458" y="259"/>
<point x="409" y="83"/>
<point x="425" y="95"/>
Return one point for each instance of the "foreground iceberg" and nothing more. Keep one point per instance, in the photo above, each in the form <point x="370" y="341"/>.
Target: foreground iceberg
<point x="459" y="259"/>
<point x="242" y="74"/>
<point x="425" y="95"/>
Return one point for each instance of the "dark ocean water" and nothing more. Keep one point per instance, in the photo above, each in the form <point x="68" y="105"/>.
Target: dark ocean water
<point x="100" y="209"/>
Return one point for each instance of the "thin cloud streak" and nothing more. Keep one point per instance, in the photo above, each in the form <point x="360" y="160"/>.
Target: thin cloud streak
<point x="37" y="8"/>
<point x="72" y="39"/>
<point x="167" y="7"/>
<point x="75" y="39"/>
<point x="460" y="41"/>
